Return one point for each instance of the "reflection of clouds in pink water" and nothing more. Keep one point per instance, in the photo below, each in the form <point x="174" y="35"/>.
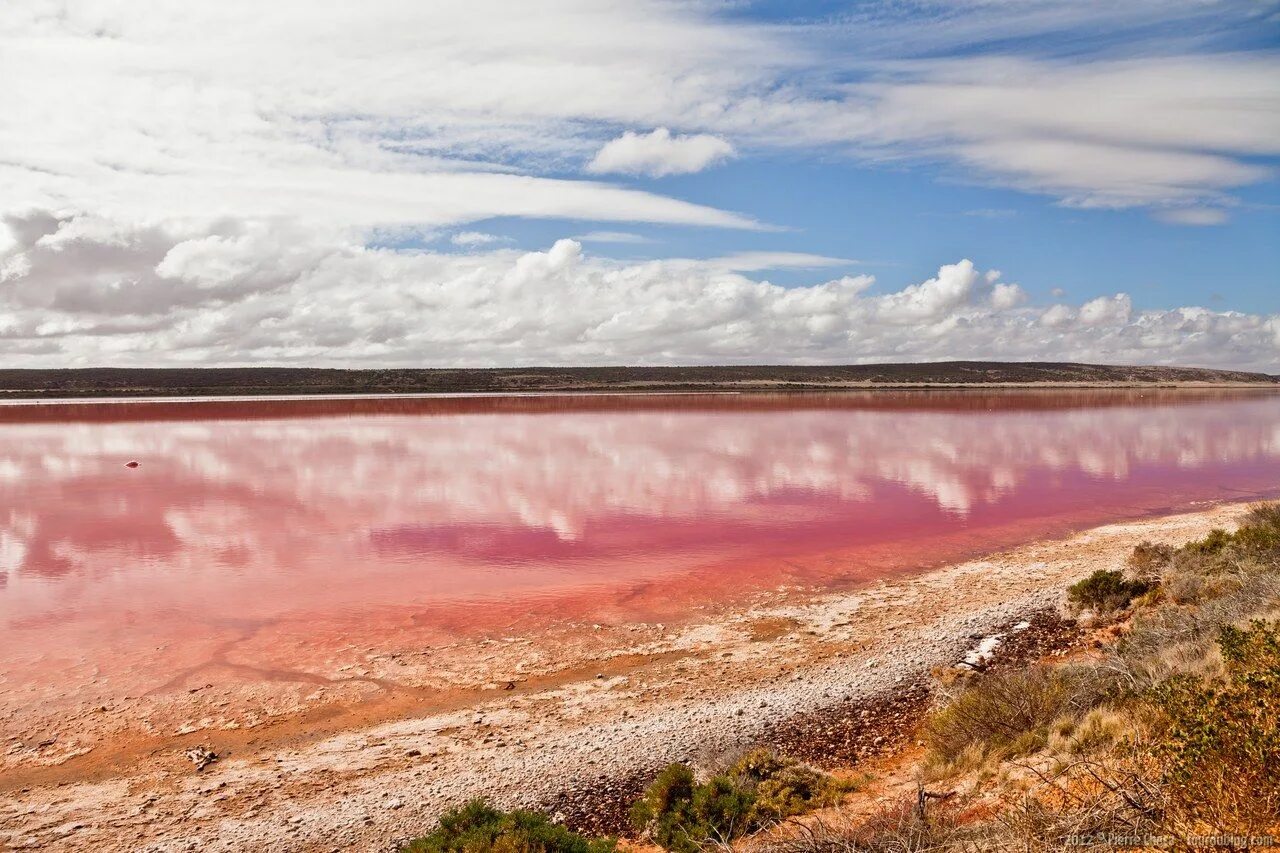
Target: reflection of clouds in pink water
<point x="229" y="503"/>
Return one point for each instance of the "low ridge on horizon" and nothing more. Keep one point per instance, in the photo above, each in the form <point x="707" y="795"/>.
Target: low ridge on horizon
<point x="164" y="381"/>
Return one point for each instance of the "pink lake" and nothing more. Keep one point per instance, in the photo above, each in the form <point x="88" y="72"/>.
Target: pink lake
<point x="459" y="516"/>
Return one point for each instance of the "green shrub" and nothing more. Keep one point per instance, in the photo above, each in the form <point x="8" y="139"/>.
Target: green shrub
<point x="794" y="790"/>
<point x="1214" y="543"/>
<point x="1220" y="741"/>
<point x="680" y="814"/>
<point x="758" y="764"/>
<point x="480" y="828"/>
<point x="1105" y="590"/>
<point x="665" y="811"/>
<point x="1009" y="713"/>
<point x="725" y="808"/>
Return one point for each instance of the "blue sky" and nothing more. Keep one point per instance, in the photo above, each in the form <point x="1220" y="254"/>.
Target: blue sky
<point x="674" y="181"/>
<point x="902" y="220"/>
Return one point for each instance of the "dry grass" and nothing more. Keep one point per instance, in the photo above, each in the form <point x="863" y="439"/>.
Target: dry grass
<point x="898" y="828"/>
<point x="1011" y="713"/>
<point x="1100" y="730"/>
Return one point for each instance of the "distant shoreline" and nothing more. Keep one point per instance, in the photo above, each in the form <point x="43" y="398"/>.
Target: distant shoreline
<point x="218" y="396"/>
<point x="261" y="382"/>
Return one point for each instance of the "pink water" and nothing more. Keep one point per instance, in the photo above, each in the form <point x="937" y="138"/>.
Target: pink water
<point x="330" y="518"/>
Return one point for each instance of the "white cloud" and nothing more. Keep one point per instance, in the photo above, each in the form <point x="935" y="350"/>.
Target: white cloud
<point x="422" y="114"/>
<point x="931" y="300"/>
<point x="1192" y="215"/>
<point x="1096" y="134"/>
<point x="473" y="239"/>
<point x="419" y="115"/>
<point x="659" y="153"/>
<point x="1006" y="296"/>
<point x="1107" y="310"/>
<point x="611" y="237"/>
<point x="88" y="293"/>
<point x="757" y="261"/>
<point x="1057" y="315"/>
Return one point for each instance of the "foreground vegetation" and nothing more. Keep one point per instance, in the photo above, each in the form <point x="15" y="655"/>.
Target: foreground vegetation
<point x="758" y="790"/>
<point x="1168" y="738"/>
<point x="479" y="827"/>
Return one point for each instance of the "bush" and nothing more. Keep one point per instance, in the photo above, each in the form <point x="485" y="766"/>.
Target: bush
<point x="1220" y="741"/>
<point x="1148" y="559"/>
<point x="758" y="764"/>
<point x="1259" y="532"/>
<point x="1009" y="713"/>
<point x="480" y="828"/>
<point x="680" y="814"/>
<point x="1104" y="591"/>
<point x="1214" y="543"/>
<point x="794" y="790"/>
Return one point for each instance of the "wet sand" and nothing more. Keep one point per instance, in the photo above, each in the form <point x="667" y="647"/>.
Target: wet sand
<point x="332" y="747"/>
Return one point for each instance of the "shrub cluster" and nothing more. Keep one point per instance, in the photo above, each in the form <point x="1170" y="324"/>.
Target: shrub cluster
<point x="1219" y="741"/>
<point x="1104" y="591"/>
<point x="1176" y="733"/>
<point x="681" y="814"/>
<point x="1010" y="713"/>
<point x="480" y="828"/>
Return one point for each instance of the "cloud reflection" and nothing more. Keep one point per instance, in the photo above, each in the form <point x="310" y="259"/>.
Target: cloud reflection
<point x="267" y="493"/>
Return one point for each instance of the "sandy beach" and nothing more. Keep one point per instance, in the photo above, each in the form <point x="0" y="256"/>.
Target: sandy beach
<point x="359" y="759"/>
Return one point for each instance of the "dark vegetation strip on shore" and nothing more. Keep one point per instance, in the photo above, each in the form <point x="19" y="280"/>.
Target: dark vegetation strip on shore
<point x="1166" y="736"/>
<point x="953" y="399"/>
<point x="249" y="381"/>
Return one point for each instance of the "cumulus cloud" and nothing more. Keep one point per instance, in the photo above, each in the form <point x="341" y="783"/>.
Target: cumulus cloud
<point x="81" y="291"/>
<point x="1057" y="315"/>
<point x="1107" y="310"/>
<point x="1005" y="296"/>
<point x="660" y="153"/>
<point x="930" y="300"/>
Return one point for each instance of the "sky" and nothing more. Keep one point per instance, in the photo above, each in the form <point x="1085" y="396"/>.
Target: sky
<point x="398" y="183"/>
